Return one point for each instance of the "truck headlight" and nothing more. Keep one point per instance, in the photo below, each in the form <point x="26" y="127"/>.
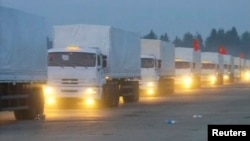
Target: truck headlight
<point x="48" y="94"/>
<point x="91" y="91"/>
<point x="150" y="91"/>
<point x="225" y="77"/>
<point x="247" y="75"/>
<point x="90" y="101"/>
<point x="150" y="84"/>
<point x="47" y="90"/>
<point x="187" y="81"/>
<point x="212" y="79"/>
<point x="50" y="100"/>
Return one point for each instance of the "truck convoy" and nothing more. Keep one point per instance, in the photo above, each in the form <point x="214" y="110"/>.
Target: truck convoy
<point x="157" y="68"/>
<point x="23" y="63"/>
<point x="90" y="63"/>
<point x="212" y="68"/>
<point x="187" y="67"/>
<point x="228" y="68"/>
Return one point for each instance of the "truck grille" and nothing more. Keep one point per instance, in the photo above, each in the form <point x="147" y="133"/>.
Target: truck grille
<point x="69" y="81"/>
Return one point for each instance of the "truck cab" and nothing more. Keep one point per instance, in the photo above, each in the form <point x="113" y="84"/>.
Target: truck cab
<point x="212" y="68"/>
<point x="149" y="74"/>
<point x="75" y="73"/>
<point x="187" y="68"/>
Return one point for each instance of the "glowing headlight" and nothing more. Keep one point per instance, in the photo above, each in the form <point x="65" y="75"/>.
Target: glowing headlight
<point x="90" y="102"/>
<point x="247" y="75"/>
<point x="50" y="100"/>
<point x="90" y="91"/>
<point x="150" y="84"/>
<point x="150" y="91"/>
<point x="226" y="77"/>
<point x="212" y="79"/>
<point x="47" y="90"/>
<point x="187" y="81"/>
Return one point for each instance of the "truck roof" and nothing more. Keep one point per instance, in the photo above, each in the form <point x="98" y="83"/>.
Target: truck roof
<point x="184" y="54"/>
<point x="210" y="57"/>
<point x="73" y="49"/>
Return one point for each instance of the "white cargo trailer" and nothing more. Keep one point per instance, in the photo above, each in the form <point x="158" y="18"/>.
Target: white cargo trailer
<point x="157" y="67"/>
<point x="23" y="63"/>
<point x="94" y="63"/>
<point x="187" y="67"/>
<point x="212" y="68"/>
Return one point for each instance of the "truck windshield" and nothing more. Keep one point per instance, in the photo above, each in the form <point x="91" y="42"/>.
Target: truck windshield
<point x="208" y="66"/>
<point x="71" y="59"/>
<point x="182" y="65"/>
<point x="147" y="63"/>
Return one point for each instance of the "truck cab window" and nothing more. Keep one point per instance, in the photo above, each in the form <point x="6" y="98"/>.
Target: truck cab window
<point x="72" y="59"/>
<point x="147" y="63"/>
<point x="182" y="65"/>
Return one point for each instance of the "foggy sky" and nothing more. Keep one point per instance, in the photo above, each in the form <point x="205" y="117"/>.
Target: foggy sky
<point x="175" y="17"/>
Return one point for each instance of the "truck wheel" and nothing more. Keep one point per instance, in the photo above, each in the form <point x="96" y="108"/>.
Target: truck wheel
<point x="110" y="95"/>
<point x="35" y="103"/>
<point x="197" y="82"/>
<point x="166" y="86"/>
<point x="170" y="86"/>
<point x="135" y="93"/>
<point x="219" y="79"/>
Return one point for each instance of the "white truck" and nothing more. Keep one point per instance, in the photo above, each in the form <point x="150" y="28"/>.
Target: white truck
<point x="212" y="68"/>
<point x="187" y="67"/>
<point x="90" y="63"/>
<point x="23" y="63"/>
<point x="228" y="75"/>
<point x="237" y="68"/>
<point x="157" y="68"/>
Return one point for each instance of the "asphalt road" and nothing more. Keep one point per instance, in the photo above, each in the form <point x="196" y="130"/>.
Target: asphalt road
<point x="147" y="120"/>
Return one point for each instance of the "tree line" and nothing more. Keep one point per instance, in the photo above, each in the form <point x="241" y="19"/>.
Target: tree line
<point x="234" y="43"/>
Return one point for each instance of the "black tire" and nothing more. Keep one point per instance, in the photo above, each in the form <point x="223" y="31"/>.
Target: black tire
<point x="165" y="86"/>
<point x="196" y="82"/>
<point x="35" y="103"/>
<point x="219" y="79"/>
<point x="110" y="95"/>
<point x="135" y="93"/>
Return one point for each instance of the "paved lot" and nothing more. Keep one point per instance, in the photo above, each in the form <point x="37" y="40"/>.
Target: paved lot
<point x="192" y="111"/>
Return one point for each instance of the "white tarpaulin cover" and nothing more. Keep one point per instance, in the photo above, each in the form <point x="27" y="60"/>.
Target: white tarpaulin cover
<point x="162" y="50"/>
<point x="23" y="50"/>
<point x="121" y="47"/>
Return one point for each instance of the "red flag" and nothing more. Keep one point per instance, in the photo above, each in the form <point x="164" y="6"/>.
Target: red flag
<point x="242" y="55"/>
<point x="196" y="45"/>
<point x="222" y="50"/>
